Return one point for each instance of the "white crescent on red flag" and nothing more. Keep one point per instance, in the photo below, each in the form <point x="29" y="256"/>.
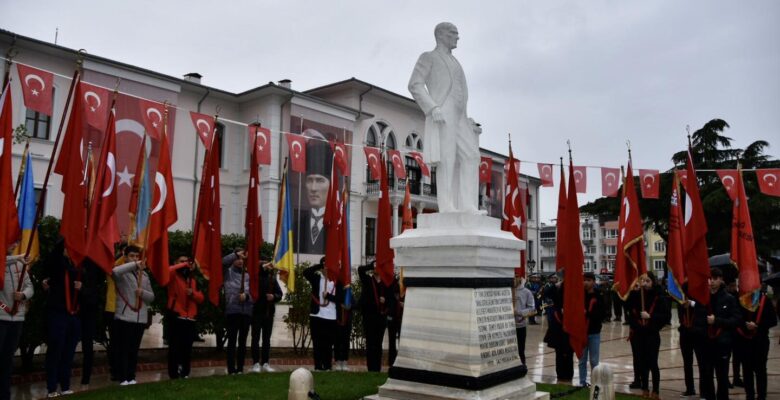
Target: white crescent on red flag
<point x="163" y="215"/>
<point x="545" y="174"/>
<point x="373" y="158"/>
<point x="650" y="183"/>
<point x="297" y="150"/>
<point x="728" y="177"/>
<point x="769" y="181"/>
<point x="419" y="158"/>
<point x="204" y="127"/>
<point x="340" y="157"/>
<point x="610" y="181"/>
<point x="261" y="137"/>
<point x="37" y="89"/>
<point x="485" y="169"/>
<point x="398" y="163"/>
<point x="152" y="114"/>
<point x="580" y="176"/>
<point x="95" y="105"/>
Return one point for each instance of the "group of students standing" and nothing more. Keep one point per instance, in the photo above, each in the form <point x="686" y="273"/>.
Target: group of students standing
<point x="718" y="334"/>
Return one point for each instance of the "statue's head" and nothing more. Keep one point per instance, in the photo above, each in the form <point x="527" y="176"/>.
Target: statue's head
<point x="446" y="34"/>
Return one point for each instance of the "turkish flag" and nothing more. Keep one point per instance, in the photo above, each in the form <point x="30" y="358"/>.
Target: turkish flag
<point x="204" y="127"/>
<point x="650" y="183"/>
<point x="610" y="181"/>
<point x="683" y="175"/>
<point x="545" y="174"/>
<point x="406" y="215"/>
<point x="153" y="115"/>
<point x="340" y="157"/>
<point x="373" y="158"/>
<point x="398" y="163"/>
<point x="513" y="218"/>
<point x="297" y="151"/>
<point x="95" y="101"/>
<point x="37" y="89"/>
<point x="768" y="181"/>
<point x="574" y="322"/>
<point x="485" y="169"/>
<point x="580" y="175"/>
<point x="253" y="223"/>
<point x="560" y="256"/>
<point x="332" y="222"/>
<point x="208" y="224"/>
<point x="261" y="139"/>
<point x="675" y="245"/>
<point x="102" y="231"/>
<point x="71" y="165"/>
<point x="10" y="231"/>
<point x="729" y="179"/>
<point x="743" y="248"/>
<point x="419" y="158"/>
<point x="697" y="262"/>
<point x="385" y="256"/>
<point x="517" y="167"/>
<point x="630" y="261"/>
<point x="163" y="215"/>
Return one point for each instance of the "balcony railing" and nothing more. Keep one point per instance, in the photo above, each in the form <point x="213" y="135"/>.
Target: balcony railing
<point x="415" y="187"/>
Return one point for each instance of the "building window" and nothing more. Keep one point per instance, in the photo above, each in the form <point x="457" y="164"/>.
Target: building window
<point x="220" y="140"/>
<point x="586" y="234"/>
<point x="370" y="236"/>
<point x="612" y="233"/>
<point x="659" y="265"/>
<point x="547" y="236"/>
<point x="38" y="125"/>
<point x="38" y="193"/>
<point x="660" y="246"/>
<point x="611" y="250"/>
<point x="414" y="173"/>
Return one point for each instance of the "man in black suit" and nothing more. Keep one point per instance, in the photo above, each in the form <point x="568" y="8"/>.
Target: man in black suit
<point x="311" y="231"/>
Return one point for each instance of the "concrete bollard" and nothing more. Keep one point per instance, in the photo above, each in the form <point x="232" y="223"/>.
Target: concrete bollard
<point x="301" y="383"/>
<point x="602" y="383"/>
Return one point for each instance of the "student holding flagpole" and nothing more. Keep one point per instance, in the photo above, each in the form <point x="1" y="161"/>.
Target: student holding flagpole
<point x="11" y="323"/>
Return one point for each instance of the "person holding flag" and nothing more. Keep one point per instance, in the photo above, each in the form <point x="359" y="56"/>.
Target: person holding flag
<point x="269" y="293"/>
<point x="752" y="341"/>
<point x="11" y="322"/>
<point x="322" y="314"/>
<point x="374" y="303"/>
<point x="238" y="309"/>
<point x="649" y="314"/>
<point x="183" y="301"/>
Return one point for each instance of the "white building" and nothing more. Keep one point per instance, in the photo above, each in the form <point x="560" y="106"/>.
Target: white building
<point x="365" y="115"/>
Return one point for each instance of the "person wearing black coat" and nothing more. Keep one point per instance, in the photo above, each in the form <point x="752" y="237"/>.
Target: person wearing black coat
<point x="263" y="311"/>
<point x="93" y="279"/>
<point x="752" y="342"/>
<point x="375" y="301"/>
<point x="687" y="341"/>
<point x="555" y="337"/>
<point x="394" y="317"/>
<point x="322" y="315"/>
<point x="714" y="325"/>
<point x="649" y="313"/>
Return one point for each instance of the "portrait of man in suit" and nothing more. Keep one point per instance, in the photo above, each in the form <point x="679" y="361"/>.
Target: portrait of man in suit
<point x="310" y="237"/>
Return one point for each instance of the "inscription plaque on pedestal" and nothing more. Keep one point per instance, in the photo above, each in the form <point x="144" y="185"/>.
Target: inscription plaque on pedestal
<point x="496" y="326"/>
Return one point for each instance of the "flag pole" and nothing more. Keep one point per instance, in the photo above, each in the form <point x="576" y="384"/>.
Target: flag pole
<point x="21" y="169"/>
<point x="44" y="188"/>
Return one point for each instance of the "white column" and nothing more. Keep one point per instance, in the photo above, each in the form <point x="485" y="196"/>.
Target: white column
<point x="395" y="219"/>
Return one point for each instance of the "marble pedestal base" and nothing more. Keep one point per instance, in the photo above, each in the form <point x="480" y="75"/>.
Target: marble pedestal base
<point x="458" y="338"/>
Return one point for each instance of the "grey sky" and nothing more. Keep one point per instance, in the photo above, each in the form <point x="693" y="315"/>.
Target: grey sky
<point x="597" y="72"/>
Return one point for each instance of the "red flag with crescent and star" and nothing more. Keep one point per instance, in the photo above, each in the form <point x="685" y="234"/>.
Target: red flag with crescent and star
<point x="163" y="215"/>
<point x="649" y="183"/>
<point x="574" y="322"/>
<point x="253" y="223"/>
<point x="398" y="163"/>
<point x="340" y="157"/>
<point x="385" y="255"/>
<point x="514" y="214"/>
<point x="580" y="176"/>
<point x="96" y="105"/>
<point x="743" y="248"/>
<point x="332" y="222"/>
<point x="207" y="240"/>
<point x="37" y="89"/>
<point x="630" y="261"/>
<point x="697" y="262"/>
<point x="419" y="158"/>
<point x="297" y="149"/>
<point x="204" y="127"/>
<point x="683" y="176"/>
<point x="152" y="115"/>
<point x="261" y="138"/>
<point x="373" y="157"/>
<point x="545" y="174"/>
<point x="728" y="177"/>
<point x="768" y="181"/>
<point x="609" y="181"/>
<point x="485" y="169"/>
<point x="102" y="230"/>
<point x="10" y="231"/>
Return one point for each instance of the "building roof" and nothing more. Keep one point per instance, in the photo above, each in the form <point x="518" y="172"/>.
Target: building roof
<point x="360" y="84"/>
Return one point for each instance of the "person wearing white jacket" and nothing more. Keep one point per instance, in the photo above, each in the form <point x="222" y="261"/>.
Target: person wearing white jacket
<point x="11" y="320"/>
<point x="133" y="296"/>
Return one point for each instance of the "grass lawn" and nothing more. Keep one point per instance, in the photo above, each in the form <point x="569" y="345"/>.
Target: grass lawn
<point x="329" y="385"/>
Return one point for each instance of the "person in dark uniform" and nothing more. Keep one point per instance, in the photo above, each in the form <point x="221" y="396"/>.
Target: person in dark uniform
<point x="687" y="341"/>
<point x="736" y="356"/>
<point x="394" y="316"/>
<point x="375" y="300"/>
<point x="714" y="325"/>
<point x="310" y="232"/>
<point x="263" y="313"/>
<point x="632" y="339"/>
<point x="93" y="278"/>
<point x="649" y="314"/>
<point x="322" y="315"/>
<point x="555" y="337"/>
<point x="617" y="305"/>
<point x="752" y="342"/>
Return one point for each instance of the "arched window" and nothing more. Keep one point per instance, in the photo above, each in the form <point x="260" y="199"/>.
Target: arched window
<point x="390" y="141"/>
<point x="409" y="141"/>
<point x="371" y="137"/>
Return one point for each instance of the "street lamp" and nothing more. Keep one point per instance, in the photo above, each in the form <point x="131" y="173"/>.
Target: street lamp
<point x="531" y="264"/>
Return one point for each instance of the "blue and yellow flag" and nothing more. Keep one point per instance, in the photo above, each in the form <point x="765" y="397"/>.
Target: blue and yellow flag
<point x="283" y="250"/>
<point x="27" y="209"/>
<point x="140" y="201"/>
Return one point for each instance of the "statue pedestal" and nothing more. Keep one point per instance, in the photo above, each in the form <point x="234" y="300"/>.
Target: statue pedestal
<point x="458" y="338"/>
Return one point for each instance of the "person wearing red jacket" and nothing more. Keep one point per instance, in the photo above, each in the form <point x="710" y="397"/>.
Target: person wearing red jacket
<point x="183" y="300"/>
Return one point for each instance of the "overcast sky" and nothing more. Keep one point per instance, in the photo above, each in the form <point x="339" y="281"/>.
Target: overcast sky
<point x="597" y="72"/>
